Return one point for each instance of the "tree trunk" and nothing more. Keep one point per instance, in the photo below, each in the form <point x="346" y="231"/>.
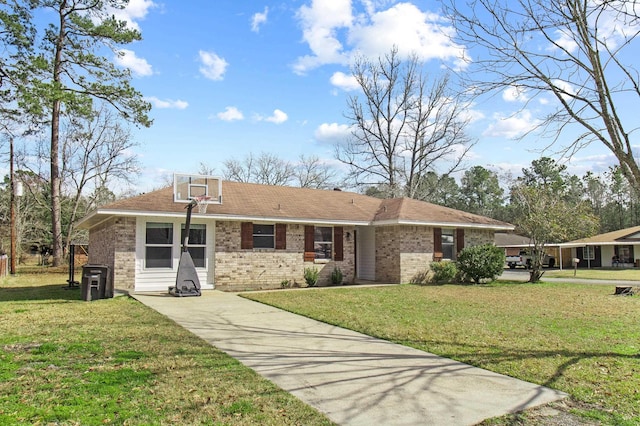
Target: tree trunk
<point x="56" y="211"/>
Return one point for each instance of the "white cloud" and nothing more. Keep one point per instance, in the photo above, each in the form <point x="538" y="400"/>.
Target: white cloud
<point x="135" y="11"/>
<point x="329" y="26"/>
<point x="410" y="30"/>
<point x="213" y="66"/>
<point x="320" y="23"/>
<point x="230" y="114"/>
<point x="167" y="103"/>
<point x="128" y="59"/>
<point x="564" y="41"/>
<point x="278" y="117"/>
<point x="513" y="94"/>
<point x="332" y="133"/>
<point x="566" y="87"/>
<point x="344" y="81"/>
<point x="258" y="19"/>
<point x="513" y="126"/>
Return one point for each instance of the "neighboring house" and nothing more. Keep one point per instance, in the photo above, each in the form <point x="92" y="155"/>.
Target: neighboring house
<point x="256" y="236"/>
<point x="513" y="244"/>
<point x="612" y="249"/>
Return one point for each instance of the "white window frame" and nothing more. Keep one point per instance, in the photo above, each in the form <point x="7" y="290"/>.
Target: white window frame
<point x="449" y="253"/>
<point x="320" y="254"/>
<point x="194" y="245"/>
<point x="262" y="236"/>
<point x="170" y="225"/>
<point x="589" y="253"/>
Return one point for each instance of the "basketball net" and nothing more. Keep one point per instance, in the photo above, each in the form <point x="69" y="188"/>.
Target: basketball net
<point x="202" y="203"/>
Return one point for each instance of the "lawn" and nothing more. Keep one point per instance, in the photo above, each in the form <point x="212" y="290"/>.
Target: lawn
<point x="595" y="274"/>
<point x="115" y="361"/>
<point x="580" y="339"/>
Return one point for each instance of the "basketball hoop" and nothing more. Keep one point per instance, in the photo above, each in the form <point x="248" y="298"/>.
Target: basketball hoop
<point x="202" y="203"/>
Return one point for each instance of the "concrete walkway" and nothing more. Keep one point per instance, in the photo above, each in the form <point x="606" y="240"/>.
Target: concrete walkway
<point x="352" y="378"/>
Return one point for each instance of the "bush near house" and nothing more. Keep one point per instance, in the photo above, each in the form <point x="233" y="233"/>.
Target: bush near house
<point x="443" y="272"/>
<point x="482" y="262"/>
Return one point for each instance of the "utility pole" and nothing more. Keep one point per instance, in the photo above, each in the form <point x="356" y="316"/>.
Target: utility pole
<point x="12" y="265"/>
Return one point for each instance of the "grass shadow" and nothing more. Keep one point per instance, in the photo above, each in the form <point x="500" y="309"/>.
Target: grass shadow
<point x="36" y="293"/>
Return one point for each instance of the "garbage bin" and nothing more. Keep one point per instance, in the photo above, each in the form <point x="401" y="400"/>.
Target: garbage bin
<point x="96" y="282"/>
<point x="637" y="264"/>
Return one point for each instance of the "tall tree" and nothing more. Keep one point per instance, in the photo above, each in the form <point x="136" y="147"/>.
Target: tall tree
<point x="481" y="192"/>
<point x="71" y="72"/>
<point x="582" y="53"/>
<point x="403" y="127"/>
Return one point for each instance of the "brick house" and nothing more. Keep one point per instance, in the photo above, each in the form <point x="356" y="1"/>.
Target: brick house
<point x="255" y="236"/>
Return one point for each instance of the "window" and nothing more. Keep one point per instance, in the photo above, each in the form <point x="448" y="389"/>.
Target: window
<point x="197" y="243"/>
<point x="158" y="245"/>
<point x="624" y="253"/>
<point x="447" y="244"/>
<point x="589" y="253"/>
<point x="323" y="242"/>
<point x="263" y="236"/>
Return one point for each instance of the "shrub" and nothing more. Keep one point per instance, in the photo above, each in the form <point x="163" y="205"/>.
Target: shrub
<point x="421" y="277"/>
<point x="481" y="262"/>
<point x="336" y="276"/>
<point x="285" y="283"/>
<point x="311" y="276"/>
<point x="443" y="272"/>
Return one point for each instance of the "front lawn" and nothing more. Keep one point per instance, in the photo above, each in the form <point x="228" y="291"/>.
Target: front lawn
<point x="580" y="339"/>
<point x="115" y="361"/>
<point x="595" y="274"/>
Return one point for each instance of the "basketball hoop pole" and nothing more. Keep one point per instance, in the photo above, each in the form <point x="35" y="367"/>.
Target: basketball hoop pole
<point x="187" y="226"/>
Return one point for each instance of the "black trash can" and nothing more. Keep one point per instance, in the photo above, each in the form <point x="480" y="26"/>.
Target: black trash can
<point x="96" y="282"/>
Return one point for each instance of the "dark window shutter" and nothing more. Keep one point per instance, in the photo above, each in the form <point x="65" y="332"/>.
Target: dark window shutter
<point x="459" y="239"/>
<point x="337" y="243"/>
<point x="309" y="253"/>
<point x="281" y="236"/>
<point x="246" y="235"/>
<point x="437" y="240"/>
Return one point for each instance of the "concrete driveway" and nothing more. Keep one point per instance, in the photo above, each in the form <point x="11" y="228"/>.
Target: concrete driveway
<point x="353" y="378"/>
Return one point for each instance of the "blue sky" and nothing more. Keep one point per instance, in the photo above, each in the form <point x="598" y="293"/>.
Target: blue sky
<point x="227" y="78"/>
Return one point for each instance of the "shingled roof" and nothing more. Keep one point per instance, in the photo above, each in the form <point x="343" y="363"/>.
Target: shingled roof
<point x="621" y="236"/>
<point x="252" y="202"/>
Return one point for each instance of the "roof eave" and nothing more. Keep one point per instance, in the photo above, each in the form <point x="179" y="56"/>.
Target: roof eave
<point x="443" y="224"/>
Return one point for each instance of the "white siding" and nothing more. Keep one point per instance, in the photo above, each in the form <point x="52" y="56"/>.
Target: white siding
<point x="366" y="244"/>
<point x="159" y="279"/>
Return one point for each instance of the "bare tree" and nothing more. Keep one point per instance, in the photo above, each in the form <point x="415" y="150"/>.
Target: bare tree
<point x="311" y="172"/>
<point x="94" y="158"/>
<point x="266" y="169"/>
<point x="579" y="52"/>
<point x="403" y="128"/>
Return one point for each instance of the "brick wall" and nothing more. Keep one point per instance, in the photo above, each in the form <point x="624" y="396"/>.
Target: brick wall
<point x="237" y="270"/>
<point x="403" y="251"/>
<point x="113" y="243"/>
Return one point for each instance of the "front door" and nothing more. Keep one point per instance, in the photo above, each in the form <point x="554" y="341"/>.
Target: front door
<point x="366" y="253"/>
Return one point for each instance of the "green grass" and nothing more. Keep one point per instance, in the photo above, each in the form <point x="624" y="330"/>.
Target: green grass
<point x="576" y="338"/>
<point x="596" y="274"/>
<point x="115" y="361"/>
